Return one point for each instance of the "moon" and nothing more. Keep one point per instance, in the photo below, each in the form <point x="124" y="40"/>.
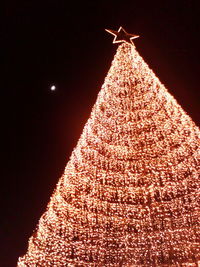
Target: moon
<point x="53" y="88"/>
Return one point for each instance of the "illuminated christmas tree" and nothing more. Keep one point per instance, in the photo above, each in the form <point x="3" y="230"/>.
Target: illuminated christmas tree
<point x="129" y="195"/>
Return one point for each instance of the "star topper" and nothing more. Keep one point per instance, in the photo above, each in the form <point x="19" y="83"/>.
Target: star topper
<point x="121" y="36"/>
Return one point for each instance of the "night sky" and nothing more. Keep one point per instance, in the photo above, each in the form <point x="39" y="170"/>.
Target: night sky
<point x="62" y="43"/>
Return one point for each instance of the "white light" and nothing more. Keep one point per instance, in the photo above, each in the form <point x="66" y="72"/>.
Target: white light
<point x="53" y="88"/>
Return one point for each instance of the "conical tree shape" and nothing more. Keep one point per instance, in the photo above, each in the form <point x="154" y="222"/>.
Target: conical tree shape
<point x="129" y="195"/>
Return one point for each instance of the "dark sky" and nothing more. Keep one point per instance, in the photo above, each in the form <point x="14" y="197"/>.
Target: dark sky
<point x="62" y="43"/>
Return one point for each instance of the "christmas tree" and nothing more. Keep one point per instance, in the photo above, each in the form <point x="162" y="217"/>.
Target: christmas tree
<point x="129" y="195"/>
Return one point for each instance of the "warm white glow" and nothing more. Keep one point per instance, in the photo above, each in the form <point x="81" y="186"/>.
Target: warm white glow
<point x="129" y="195"/>
<point x="53" y="88"/>
<point x="121" y="36"/>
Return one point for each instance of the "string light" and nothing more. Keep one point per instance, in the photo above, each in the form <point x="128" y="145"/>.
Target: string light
<point x="129" y="195"/>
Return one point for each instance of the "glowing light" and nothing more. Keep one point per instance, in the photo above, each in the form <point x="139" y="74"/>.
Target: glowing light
<point x="122" y="36"/>
<point x="129" y="195"/>
<point x="53" y="88"/>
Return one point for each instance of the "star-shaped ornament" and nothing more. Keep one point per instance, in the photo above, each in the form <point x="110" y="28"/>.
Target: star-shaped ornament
<point x="121" y="36"/>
